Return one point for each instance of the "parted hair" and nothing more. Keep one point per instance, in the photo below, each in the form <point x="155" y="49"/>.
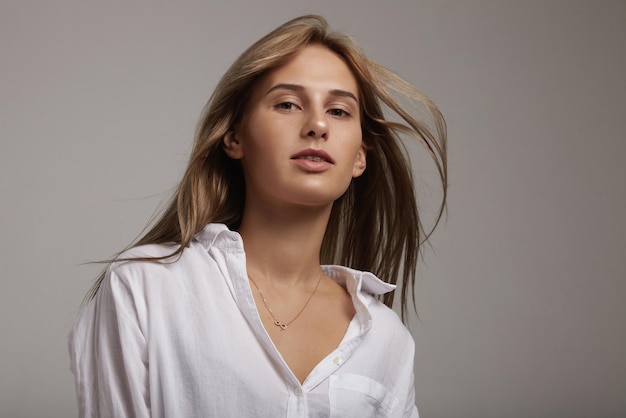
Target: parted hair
<point x="375" y="225"/>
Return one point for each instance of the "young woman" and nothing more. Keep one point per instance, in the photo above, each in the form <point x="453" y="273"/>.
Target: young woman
<point x="223" y="308"/>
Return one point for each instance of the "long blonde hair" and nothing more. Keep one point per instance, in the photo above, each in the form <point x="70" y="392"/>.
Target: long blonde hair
<point x="375" y="225"/>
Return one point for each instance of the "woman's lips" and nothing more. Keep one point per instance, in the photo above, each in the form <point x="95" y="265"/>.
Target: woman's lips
<point x="315" y="155"/>
<point x="313" y="160"/>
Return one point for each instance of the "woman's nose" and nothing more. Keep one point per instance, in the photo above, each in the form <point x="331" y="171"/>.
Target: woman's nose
<point x="316" y="126"/>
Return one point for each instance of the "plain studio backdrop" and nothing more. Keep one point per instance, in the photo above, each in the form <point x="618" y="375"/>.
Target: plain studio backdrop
<point x="522" y="298"/>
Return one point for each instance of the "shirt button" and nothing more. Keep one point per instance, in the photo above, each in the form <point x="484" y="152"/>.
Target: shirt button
<point x="298" y="391"/>
<point x="337" y="360"/>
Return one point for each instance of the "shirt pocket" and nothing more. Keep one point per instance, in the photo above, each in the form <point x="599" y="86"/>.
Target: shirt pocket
<point x="353" y="395"/>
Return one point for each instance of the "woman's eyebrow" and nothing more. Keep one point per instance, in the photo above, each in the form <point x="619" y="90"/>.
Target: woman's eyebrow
<point x="299" y="88"/>
<point x="285" y="86"/>
<point x="344" y="93"/>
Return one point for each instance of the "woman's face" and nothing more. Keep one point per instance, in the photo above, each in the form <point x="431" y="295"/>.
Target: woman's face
<point x="299" y="140"/>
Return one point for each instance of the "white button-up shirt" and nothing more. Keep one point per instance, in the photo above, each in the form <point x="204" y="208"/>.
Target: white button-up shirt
<point x="184" y="339"/>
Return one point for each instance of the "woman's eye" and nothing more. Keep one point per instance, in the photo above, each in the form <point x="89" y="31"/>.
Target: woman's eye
<point x="339" y="112"/>
<point x="286" y="106"/>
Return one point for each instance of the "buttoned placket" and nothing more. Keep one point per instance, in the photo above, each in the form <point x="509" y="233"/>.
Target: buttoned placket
<point x="236" y="265"/>
<point x="298" y="406"/>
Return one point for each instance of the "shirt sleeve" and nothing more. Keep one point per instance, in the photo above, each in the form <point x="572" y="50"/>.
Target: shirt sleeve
<point x="410" y="409"/>
<point x="108" y="353"/>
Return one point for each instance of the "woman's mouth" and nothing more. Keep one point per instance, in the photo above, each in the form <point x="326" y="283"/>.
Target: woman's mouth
<point x="313" y="161"/>
<point x="314" y="155"/>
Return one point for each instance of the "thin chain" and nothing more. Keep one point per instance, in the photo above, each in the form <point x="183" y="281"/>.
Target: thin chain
<point x="282" y="325"/>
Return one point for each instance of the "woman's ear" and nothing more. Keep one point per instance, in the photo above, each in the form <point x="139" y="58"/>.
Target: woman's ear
<point x="231" y="146"/>
<point x="360" y="162"/>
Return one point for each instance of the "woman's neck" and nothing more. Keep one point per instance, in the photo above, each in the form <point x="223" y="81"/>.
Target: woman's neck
<point x="283" y="246"/>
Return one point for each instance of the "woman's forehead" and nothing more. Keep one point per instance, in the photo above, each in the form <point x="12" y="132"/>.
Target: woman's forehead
<point x="315" y="67"/>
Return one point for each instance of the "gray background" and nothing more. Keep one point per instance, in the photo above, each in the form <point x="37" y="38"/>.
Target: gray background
<point x="522" y="299"/>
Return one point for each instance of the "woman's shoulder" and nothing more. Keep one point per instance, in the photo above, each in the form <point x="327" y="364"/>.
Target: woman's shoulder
<point x="144" y="260"/>
<point x="388" y="321"/>
<point x="169" y="259"/>
<point x="148" y="251"/>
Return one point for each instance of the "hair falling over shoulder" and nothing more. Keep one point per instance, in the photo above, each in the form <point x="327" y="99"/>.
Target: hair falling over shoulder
<point x="375" y="226"/>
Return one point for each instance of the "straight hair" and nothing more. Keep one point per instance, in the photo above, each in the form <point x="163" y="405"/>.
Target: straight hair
<point x="375" y="225"/>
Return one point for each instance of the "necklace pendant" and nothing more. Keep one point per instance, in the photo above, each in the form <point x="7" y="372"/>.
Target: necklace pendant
<point x="280" y="325"/>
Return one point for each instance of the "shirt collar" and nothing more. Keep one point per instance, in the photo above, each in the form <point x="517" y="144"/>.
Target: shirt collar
<point x="218" y="235"/>
<point x="362" y="287"/>
<point x="357" y="281"/>
<point x="354" y="281"/>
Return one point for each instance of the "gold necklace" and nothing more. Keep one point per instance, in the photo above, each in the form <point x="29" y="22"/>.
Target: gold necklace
<point x="279" y="324"/>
